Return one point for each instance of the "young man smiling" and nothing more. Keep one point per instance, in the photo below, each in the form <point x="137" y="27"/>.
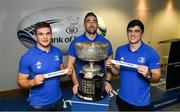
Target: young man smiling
<point x="134" y="87"/>
<point x="44" y="94"/>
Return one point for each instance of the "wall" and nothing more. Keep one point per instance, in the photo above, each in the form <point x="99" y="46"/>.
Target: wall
<point x="159" y="22"/>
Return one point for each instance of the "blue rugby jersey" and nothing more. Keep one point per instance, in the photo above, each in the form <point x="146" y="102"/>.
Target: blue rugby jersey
<point x="36" y="61"/>
<point x="133" y="87"/>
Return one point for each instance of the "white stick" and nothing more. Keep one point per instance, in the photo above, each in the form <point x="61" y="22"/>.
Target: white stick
<point x="122" y="63"/>
<point x="57" y="73"/>
<point x="114" y="92"/>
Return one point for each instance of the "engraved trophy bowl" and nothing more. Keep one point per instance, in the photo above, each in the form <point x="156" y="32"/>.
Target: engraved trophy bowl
<point x="92" y="51"/>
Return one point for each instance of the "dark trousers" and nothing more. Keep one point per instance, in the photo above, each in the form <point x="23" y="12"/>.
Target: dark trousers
<point x="124" y="106"/>
<point x="56" y="106"/>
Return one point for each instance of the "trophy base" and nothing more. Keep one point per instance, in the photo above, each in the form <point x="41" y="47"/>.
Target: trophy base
<point x="91" y="89"/>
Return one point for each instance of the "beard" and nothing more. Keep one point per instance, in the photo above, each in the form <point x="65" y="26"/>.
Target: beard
<point x="91" y="31"/>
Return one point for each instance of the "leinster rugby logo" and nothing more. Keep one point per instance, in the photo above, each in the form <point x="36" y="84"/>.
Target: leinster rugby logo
<point x="141" y="60"/>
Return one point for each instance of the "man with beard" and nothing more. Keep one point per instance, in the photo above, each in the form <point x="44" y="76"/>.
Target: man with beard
<point x="90" y="35"/>
<point x="134" y="87"/>
<point x="44" y="94"/>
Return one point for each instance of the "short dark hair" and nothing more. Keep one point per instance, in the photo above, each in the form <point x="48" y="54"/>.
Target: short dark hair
<point x="136" y="22"/>
<point x="90" y="14"/>
<point x="42" y="24"/>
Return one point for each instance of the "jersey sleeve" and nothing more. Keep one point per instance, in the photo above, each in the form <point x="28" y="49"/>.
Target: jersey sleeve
<point x="154" y="62"/>
<point x="24" y="66"/>
<point x="60" y="56"/>
<point x="110" y="49"/>
<point x="71" y="50"/>
<point x="117" y="56"/>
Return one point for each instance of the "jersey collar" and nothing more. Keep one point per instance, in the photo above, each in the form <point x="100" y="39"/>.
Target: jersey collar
<point x="90" y="39"/>
<point x="139" y="49"/>
<point x="41" y="51"/>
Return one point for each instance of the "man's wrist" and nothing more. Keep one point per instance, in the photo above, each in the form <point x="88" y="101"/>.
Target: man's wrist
<point x="148" y="76"/>
<point x="32" y="83"/>
<point x="76" y="83"/>
<point x="107" y="81"/>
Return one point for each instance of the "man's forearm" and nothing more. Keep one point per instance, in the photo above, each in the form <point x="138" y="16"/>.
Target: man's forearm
<point x="70" y="63"/>
<point x="155" y="76"/>
<point x="108" y="74"/>
<point x="73" y="76"/>
<point x="25" y="83"/>
<point x="115" y="70"/>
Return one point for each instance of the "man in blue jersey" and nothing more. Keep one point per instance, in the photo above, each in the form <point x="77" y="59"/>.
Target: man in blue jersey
<point x="44" y="94"/>
<point x="90" y="35"/>
<point x="134" y="90"/>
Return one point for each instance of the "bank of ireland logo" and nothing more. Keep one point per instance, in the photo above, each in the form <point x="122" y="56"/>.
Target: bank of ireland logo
<point x="66" y="24"/>
<point x="26" y="35"/>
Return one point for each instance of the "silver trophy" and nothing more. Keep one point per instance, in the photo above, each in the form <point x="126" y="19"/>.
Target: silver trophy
<point x="91" y="86"/>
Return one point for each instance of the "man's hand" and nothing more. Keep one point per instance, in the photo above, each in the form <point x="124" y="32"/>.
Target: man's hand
<point x="108" y="87"/>
<point x="70" y="70"/>
<point x="38" y="79"/>
<point x="75" y="88"/>
<point x="109" y="63"/>
<point x="143" y="70"/>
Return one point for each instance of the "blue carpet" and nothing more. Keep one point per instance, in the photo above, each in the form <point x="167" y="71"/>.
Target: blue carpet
<point x="19" y="102"/>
